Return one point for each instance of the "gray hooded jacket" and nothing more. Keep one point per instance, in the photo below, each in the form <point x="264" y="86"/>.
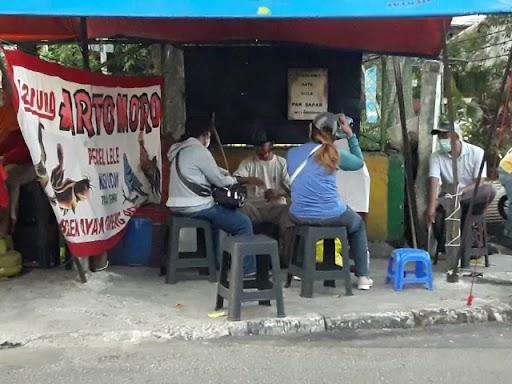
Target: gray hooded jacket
<point x="198" y="166"/>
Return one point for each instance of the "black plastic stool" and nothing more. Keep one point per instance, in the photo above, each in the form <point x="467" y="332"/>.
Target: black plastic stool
<point x="303" y="261"/>
<point x="476" y="241"/>
<point x="175" y="261"/>
<point x="237" y="248"/>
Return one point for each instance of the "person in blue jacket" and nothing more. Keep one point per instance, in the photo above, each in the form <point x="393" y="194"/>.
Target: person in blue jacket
<point x="315" y="199"/>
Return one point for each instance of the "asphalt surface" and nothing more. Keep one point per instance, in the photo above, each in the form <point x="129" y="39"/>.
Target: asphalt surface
<point x="457" y="354"/>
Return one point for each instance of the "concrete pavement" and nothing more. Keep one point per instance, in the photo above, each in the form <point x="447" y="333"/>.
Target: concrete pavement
<point x="133" y="304"/>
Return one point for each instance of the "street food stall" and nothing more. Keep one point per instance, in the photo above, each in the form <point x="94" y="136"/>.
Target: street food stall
<point x="238" y="59"/>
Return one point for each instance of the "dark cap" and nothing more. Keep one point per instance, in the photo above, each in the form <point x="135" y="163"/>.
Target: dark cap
<point x="445" y="127"/>
<point x="196" y="126"/>
<point x="261" y="137"/>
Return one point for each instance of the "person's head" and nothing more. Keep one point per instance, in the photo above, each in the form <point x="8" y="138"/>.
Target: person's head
<point x="323" y="130"/>
<point x="199" y="128"/>
<point x="263" y="145"/>
<point x="444" y="136"/>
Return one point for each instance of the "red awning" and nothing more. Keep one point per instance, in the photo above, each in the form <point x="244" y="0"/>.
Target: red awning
<point x="421" y="37"/>
<point x="23" y="28"/>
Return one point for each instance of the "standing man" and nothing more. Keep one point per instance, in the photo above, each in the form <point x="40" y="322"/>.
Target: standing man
<point x="469" y="157"/>
<point x="267" y="203"/>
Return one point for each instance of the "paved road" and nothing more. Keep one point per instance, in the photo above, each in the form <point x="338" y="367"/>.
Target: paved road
<point x="481" y="353"/>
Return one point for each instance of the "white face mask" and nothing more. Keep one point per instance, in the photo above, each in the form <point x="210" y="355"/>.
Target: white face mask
<point x="444" y="145"/>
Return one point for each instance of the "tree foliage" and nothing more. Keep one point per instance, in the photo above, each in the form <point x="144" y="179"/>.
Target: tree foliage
<point x="127" y="59"/>
<point x="478" y="68"/>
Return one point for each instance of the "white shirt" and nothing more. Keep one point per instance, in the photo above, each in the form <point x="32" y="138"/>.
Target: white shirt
<point x="272" y="172"/>
<point x="353" y="186"/>
<point x="468" y="165"/>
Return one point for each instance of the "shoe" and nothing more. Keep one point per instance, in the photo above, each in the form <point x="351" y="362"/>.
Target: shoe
<point x="364" y="283"/>
<point x="249" y="275"/>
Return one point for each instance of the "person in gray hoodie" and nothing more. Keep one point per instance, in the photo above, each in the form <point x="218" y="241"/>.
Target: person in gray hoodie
<point x="198" y="166"/>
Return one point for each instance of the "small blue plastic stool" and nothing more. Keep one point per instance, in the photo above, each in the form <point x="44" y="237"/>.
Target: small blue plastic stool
<point x="399" y="275"/>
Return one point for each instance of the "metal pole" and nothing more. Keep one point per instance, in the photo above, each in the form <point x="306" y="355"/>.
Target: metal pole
<point x="411" y="198"/>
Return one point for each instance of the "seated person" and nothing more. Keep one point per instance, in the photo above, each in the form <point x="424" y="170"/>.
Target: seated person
<point x="198" y="166"/>
<point x="267" y="203"/>
<point x="315" y="198"/>
<point x="441" y="176"/>
<point x="15" y="157"/>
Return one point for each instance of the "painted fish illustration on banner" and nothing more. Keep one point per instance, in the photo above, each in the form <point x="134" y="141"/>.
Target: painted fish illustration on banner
<point x="95" y="144"/>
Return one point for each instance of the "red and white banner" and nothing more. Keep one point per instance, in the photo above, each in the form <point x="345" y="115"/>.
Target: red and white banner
<point x="95" y="144"/>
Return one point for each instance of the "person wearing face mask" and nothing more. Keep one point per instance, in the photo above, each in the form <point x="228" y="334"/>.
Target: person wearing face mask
<point x="469" y="158"/>
<point x="198" y="166"/>
<point x="267" y="204"/>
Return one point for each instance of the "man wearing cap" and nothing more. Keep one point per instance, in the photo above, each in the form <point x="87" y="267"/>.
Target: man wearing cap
<point x="267" y="204"/>
<point x="469" y="158"/>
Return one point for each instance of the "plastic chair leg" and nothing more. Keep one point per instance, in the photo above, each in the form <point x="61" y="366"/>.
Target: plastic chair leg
<point x="236" y="285"/>
<point x="276" y="280"/>
<point x="210" y="255"/>
<point x="399" y="275"/>
<point x="173" y="256"/>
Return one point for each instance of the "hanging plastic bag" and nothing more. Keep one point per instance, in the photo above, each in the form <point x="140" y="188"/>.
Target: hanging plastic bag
<point x="338" y="259"/>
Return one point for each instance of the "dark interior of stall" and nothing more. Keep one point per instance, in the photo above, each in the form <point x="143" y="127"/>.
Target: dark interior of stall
<point x="247" y="87"/>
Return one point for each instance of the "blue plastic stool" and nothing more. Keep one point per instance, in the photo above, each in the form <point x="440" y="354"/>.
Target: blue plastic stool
<point x="422" y="274"/>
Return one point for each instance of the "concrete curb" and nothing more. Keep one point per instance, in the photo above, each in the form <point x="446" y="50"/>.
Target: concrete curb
<point x="304" y="325"/>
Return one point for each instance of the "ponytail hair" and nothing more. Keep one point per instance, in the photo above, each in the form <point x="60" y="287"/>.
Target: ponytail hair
<point x="327" y="156"/>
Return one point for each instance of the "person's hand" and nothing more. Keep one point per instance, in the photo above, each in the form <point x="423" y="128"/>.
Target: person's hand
<point x="431" y="215"/>
<point x="271" y="195"/>
<point x="251" y="181"/>
<point x="345" y="126"/>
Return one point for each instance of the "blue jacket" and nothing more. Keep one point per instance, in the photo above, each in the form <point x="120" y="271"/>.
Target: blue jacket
<point x="314" y="191"/>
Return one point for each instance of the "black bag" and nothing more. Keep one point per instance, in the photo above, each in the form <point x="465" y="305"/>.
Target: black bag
<point x="231" y="197"/>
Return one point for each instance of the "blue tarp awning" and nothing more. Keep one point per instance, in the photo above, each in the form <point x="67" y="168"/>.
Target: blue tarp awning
<point x="346" y="9"/>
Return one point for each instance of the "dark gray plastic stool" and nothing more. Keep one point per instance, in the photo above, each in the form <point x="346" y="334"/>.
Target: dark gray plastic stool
<point x="175" y="261"/>
<point x="476" y="241"/>
<point x="234" y="290"/>
<point x="303" y="260"/>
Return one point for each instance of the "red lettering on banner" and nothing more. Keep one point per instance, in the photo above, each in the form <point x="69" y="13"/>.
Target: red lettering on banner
<point x="69" y="228"/>
<point x="97" y="101"/>
<point x="134" y="113"/>
<point x="102" y="112"/>
<point x="108" y="115"/>
<point x="155" y="110"/>
<point x="103" y="156"/>
<point x="144" y="113"/>
<point x="66" y="113"/>
<point x="37" y="102"/>
<point x="122" y="113"/>
<point x="83" y="113"/>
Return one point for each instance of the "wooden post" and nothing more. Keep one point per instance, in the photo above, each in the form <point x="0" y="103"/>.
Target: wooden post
<point x="452" y="224"/>
<point x="412" y="211"/>
<point x="429" y="115"/>
<point x="173" y="70"/>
